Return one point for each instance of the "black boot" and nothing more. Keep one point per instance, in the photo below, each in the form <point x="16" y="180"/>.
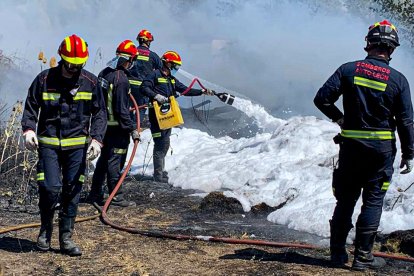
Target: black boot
<point x="67" y="246"/>
<point x="120" y="201"/>
<point x="339" y="255"/>
<point x="159" y="175"/>
<point x="46" y="229"/>
<point x="364" y="241"/>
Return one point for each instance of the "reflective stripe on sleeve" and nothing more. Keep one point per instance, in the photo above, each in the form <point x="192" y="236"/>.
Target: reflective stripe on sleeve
<point x="385" y="186"/>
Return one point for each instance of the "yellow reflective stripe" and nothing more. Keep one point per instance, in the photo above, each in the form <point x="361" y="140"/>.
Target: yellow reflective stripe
<point x="368" y="134"/>
<point x="165" y="80"/>
<point x="370" y="83"/>
<point x="48" y="140"/>
<point x="156" y="134"/>
<point x="135" y="82"/>
<point x="83" y="96"/>
<point x="385" y="186"/>
<point x="111" y="120"/>
<point x="68" y="44"/>
<point x="145" y="58"/>
<point x="50" y="96"/>
<point x="82" y="178"/>
<point x="120" y="151"/>
<point x="68" y="142"/>
<point x="40" y="176"/>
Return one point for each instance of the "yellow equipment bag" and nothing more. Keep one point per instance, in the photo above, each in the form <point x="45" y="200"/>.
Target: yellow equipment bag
<point x="168" y="114"/>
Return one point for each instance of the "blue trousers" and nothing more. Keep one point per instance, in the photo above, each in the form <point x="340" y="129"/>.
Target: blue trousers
<point x="366" y="170"/>
<point x="60" y="175"/>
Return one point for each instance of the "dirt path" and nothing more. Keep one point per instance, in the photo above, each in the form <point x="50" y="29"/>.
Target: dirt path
<point x="109" y="252"/>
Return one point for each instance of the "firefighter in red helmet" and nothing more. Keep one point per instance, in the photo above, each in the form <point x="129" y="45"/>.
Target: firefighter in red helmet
<point x="146" y="62"/>
<point x="159" y="86"/>
<point x="64" y="113"/>
<point x="114" y="82"/>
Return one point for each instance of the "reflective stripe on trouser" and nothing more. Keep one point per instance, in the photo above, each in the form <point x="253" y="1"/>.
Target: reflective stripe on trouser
<point x="60" y="177"/>
<point x="109" y="165"/>
<point x="66" y="142"/>
<point x="368" y="134"/>
<point x="365" y="170"/>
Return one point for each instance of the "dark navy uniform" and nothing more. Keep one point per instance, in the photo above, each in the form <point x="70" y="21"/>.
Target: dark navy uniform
<point x="376" y="102"/>
<point x="157" y="83"/>
<point x="65" y="112"/>
<point x="116" y="91"/>
<point x="147" y="61"/>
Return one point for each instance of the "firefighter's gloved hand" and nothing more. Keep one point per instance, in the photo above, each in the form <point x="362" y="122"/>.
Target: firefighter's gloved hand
<point x="135" y="135"/>
<point x="408" y="163"/>
<point x="31" y="142"/>
<point x="207" y="92"/>
<point x="161" y="99"/>
<point x="94" y="150"/>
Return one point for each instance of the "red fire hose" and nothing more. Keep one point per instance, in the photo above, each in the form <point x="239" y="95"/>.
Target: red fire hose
<point x="159" y="234"/>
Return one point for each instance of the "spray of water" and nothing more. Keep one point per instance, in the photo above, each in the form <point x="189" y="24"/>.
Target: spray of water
<point x="262" y="118"/>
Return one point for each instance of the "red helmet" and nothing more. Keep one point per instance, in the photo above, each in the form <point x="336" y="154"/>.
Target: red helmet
<point x="145" y="35"/>
<point x="171" y="56"/>
<point x="74" y="50"/>
<point x="127" y="49"/>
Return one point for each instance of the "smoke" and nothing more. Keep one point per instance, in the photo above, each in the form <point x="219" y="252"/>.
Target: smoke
<point x="276" y="52"/>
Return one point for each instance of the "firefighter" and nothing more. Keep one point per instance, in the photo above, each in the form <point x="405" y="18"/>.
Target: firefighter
<point x="114" y="82"/>
<point x="147" y="61"/>
<point x="64" y="106"/>
<point x="159" y="86"/>
<point x="376" y="102"/>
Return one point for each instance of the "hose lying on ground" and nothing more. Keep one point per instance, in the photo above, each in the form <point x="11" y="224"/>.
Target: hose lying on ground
<point x="158" y="234"/>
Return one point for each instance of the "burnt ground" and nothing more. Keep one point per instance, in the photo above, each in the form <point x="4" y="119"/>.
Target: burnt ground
<point x="107" y="251"/>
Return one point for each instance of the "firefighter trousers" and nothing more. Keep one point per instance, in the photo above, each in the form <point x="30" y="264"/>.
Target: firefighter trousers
<point x="161" y="139"/>
<point x="365" y="170"/>
<point x="60" y="175"/>
<point x="110" y="164"/>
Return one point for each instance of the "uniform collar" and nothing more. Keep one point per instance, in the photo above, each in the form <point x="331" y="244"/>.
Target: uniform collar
<point x="378" y="58"/>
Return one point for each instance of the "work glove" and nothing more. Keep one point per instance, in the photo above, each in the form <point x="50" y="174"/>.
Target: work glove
<point x="408" y="163"/>
<point x="94" y="150"/>
<point x="161" y="99"/>
<point x="31" y="142"/>
<point x="135" y="135"/>
<point x="207" y="92"/>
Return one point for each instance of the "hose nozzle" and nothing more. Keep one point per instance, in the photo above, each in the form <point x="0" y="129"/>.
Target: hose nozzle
<point x="225" y="97"/>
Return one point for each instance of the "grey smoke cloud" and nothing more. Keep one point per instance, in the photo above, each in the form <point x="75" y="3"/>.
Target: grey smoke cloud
<point x="275" y="52"/>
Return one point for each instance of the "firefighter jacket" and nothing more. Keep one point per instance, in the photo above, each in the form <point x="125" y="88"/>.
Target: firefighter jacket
<point x="65" y="111"/>
<point x="147" y="61"/>
<point x="376" y="102"/>
<point x="157" y="83"/>
<point x="116" y="90"/>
